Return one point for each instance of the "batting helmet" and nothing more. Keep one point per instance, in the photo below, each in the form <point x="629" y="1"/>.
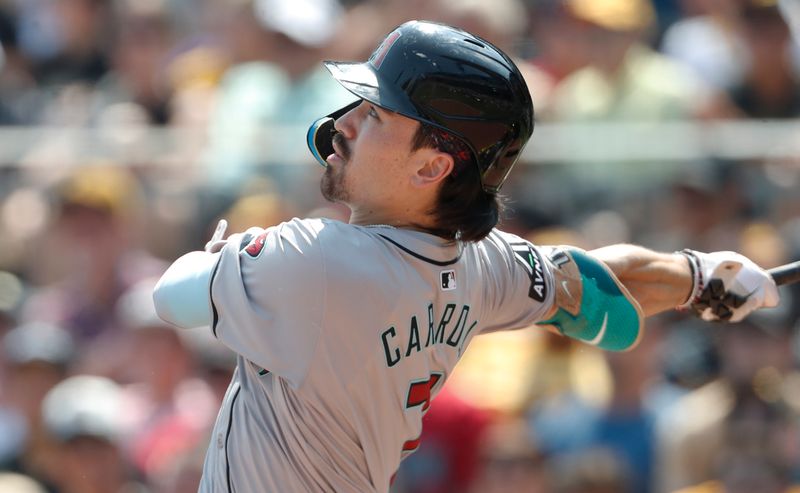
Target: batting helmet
<point x="447" y="78"/>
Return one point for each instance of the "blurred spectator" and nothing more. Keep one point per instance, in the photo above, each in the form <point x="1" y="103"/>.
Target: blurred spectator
<point x="35" y="358"/>
<point x="591" y="471"/>
<point x="168" y="407"/>
<point x="704" y="208"/>
<point x="19" y="483"/>
<point x="510" y="462"/>
<point x="617" y="81"/>
<point x="280" y="82"/>
<point x="365" y="22"/>
<point x="16" y="82"/>
<point x="690" y="359"/>
<point x="625" y="80"/>
<point x="138" y="57"/>
<point x="84" y="413"/>
<point x="559" y="44"/>
<point x="184" y="475"/>
<point x="259" y="203"/>
<point x="624" y="426"/>
<point x="708" y="41"/>
<point x="90" y="255"/>
<point x="770" y="87"/>
<point x="481" y="377"/>
<point x="743" y="410"/>
<point x="66" y="44"/>
<point x="11" y="296"/>
<point x="667" y="12"/>
<point x="78" y="53"/>
<point x="744" y="470"/>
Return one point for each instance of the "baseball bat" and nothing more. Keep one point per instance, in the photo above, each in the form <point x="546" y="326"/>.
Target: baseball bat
<point x="786" y="274"/>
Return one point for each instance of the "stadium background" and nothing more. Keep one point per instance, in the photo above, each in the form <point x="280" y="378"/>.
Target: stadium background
<point x="131" y="126"/>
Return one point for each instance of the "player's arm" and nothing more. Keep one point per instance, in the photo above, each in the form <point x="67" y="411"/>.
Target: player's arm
<point x="717" y="286"/>
<point x="658" y="281"/>
<point x="602" y="296"/>
<point x="181" y="296"/>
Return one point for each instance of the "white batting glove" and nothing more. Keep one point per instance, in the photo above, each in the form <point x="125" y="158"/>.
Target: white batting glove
<point x="728" y="286"/>
<point x="216" y="242"/>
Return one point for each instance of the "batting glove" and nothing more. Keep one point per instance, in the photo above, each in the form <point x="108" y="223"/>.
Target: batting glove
<point x="217" y="241"/>
<point x="728" y="286"/>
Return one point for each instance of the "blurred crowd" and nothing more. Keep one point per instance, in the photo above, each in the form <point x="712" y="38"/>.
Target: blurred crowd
<point x="99" y="396"/>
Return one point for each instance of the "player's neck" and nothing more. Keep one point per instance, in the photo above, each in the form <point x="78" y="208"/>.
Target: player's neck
<point x="372" y="218"/>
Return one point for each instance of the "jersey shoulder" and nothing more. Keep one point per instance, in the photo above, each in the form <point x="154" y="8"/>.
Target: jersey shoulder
<point x="513" y="257"/>
<point x="322" y="228"/>
<point x="332" y="242"/>
<point x="302" y="235"/>
<point x="510" y="250"/>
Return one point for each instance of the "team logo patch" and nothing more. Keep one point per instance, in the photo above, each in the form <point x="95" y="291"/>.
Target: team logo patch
<point x="530" y="259"/>
<point x="376" y="60"/>
<point x="256" y="246"/>
<point x="448" y="280"/>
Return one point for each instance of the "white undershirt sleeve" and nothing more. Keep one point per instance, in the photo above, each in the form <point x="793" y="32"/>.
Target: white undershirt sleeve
<point x="181" y="296"/>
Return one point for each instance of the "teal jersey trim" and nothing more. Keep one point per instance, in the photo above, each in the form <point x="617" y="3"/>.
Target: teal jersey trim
<point x="609" y="317"/>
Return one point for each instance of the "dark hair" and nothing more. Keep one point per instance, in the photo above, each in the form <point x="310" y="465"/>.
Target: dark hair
<point x="463" y="210"/>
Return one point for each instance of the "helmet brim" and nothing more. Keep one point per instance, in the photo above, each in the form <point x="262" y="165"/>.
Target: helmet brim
<point x="362" y="80"/>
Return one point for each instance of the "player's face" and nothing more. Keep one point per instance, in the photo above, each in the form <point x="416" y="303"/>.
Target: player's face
<point x="372" y="158"/>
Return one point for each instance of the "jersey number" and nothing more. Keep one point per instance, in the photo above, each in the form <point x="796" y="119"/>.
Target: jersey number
<point x="419" y="394"/>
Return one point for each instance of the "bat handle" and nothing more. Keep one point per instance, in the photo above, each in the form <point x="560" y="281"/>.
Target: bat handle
<point x="786" y="274"/>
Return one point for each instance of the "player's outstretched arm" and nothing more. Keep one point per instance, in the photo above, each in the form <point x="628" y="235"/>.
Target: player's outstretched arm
<point x="658" y="281"/>
<point x="181" y="295"/>
<point x="717" y="286"/>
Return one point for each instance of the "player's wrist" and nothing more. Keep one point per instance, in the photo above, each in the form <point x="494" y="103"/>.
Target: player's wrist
<point x="698" y="280"/>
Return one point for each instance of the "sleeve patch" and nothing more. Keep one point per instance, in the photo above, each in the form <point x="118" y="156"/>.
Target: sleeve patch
<point x="531" y="261"/>
<point x="256" y="246"/>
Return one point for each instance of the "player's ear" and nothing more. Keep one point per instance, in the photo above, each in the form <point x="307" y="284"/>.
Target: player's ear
<point x="435" y="168"/>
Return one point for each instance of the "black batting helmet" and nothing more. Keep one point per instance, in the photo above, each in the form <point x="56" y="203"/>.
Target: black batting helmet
<point x="447" y="78"/>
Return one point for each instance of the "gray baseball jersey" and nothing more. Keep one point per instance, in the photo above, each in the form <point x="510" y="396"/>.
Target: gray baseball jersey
<point x="344" y="335"/>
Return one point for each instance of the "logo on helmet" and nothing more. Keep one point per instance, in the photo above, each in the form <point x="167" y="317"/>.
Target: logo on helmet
<point x="376" y="60"/>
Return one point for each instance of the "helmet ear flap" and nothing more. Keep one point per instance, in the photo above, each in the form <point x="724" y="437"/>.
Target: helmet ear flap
<point x="320" y="134"/>
<point x="320" y="139"/>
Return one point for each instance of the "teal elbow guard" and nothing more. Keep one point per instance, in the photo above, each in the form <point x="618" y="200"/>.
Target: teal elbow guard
<point x="593" y="305"/>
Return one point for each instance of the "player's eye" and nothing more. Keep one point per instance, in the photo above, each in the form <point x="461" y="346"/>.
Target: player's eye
<point x="373" y="113"/>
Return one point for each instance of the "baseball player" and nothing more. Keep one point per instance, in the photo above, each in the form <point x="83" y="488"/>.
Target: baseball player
<point x="346" y="332"/>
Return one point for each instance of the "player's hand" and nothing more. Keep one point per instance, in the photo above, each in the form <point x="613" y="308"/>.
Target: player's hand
<point x="217" y="241"/>
<point x="728" y="286"/>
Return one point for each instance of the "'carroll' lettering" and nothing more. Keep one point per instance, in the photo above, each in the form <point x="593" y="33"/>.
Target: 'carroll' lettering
<point x="440" y="331"/>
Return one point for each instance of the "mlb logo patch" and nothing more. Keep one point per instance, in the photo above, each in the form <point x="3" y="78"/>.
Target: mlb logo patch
<point x="448" y="280"/>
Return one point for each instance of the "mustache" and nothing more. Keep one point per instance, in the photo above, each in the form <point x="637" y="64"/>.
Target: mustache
<point x="342" y="146"/>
